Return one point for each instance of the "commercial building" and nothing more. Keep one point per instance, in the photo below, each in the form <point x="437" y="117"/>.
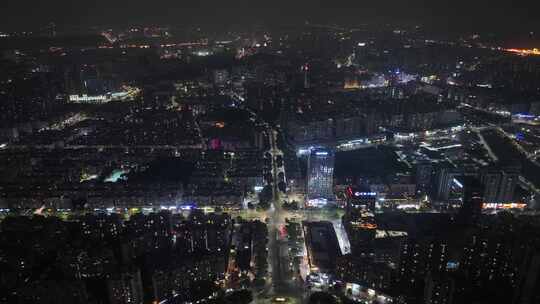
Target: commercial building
<point x="322" y="246"/>
<point x="359" y="221"/>
<point x="320" y="177"/>
<point x="359" y="199"/>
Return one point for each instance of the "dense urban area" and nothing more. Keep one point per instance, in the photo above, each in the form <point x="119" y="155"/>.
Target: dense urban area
<point x="308" y="164"/>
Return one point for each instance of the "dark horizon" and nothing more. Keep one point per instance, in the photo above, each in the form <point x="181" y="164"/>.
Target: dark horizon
<point x="257" y="152"/>
<point x="486" y="16"/>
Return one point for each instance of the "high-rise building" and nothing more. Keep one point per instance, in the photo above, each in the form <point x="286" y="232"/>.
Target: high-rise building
<point x="125" y="287"/>
<point x="529" y="279"/>
<point x="500" y="183"/>
<point x="364" y="271"/>
<point x="162" y="285"/>
<point x="320" y="177"/>
<point x="445" y="177"/>
<point x="424" y="174"/>
<point x="491" y="179"/>
<point x="360" y="200"/>
<point x="473" y="199"/>
<point x="359" y="220"/>
<point x="221" y="77"/>
<point x="438" y="289"/>
<point x="509" y="180"/>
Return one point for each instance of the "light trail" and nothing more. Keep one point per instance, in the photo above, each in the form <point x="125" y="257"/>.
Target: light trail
<point x="525" y="52"/>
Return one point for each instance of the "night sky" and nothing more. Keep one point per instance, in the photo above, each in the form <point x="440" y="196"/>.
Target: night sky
<point x="481" y="15"/>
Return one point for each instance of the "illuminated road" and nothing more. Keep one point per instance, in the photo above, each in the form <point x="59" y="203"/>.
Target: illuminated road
<point x="280" y="283"/>
<point x="486" y="146"/>
<point x="283" y="282"/>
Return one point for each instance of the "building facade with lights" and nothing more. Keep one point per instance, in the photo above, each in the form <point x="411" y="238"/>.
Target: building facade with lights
<point x="320" y="177"/>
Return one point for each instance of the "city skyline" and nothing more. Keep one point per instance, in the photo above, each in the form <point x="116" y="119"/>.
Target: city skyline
<point x="457" y="16"/>
<point x="314" y="152"/>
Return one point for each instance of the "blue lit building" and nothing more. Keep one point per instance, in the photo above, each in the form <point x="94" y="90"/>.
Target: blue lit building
<point x="320" y="177"/>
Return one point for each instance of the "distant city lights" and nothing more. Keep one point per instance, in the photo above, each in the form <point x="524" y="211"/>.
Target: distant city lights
<point x="525" y="52"/>
<point x="365" y="193"/>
